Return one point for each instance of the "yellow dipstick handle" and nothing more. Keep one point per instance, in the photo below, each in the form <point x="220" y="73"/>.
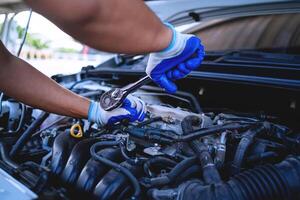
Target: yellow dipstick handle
<point x="73" y="133"/>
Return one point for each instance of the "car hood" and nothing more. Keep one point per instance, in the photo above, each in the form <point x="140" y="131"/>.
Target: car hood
<point x="167" y="10"/>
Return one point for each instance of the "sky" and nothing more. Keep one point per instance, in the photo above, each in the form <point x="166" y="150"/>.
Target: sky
<point x="42" y="26"/>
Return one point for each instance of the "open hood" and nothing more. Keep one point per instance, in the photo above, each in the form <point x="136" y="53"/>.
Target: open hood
<point x="181" y="11"/>
<point x="186" y="11"/>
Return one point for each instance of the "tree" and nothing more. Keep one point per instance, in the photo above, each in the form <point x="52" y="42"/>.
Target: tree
<point x="31" y="40"/>
<point x="67" y="50"/>
<point x="20" y="31"/>
<point x="37" y="43"/>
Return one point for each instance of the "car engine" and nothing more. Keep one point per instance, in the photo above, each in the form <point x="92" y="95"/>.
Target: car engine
<point x="180" y="151"/>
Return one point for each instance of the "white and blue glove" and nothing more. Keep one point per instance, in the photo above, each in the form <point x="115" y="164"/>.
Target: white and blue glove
<point x="132" y="109"/>
<point x="184" y="54"/>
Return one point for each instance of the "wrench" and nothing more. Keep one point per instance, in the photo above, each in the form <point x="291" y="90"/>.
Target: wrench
<point x="115" y="97"/>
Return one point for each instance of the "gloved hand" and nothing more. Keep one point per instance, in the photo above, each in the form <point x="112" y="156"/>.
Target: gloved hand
<point x="184" y="54"/>
<point x="132" y="109"/>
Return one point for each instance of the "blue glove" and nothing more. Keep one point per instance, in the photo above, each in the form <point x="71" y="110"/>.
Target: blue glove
<point x="184" y="54"/>
<point x="132" y="109"/>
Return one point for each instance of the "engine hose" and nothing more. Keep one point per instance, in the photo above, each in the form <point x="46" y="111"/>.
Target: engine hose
<point x="94" y="149"/>
<point x="261" y="157"/>
<point x="149" y="121"/>
<point x="158" y="160"/>
<point x="172" y="175"/>
<point x="191" y="172"/>
<point x="27" y="134"/>
<point x="209" y="170"/>
<point x="267" y="182"/>
<point x="246" y="141"/>
<point x="220" y="151"/>
<point x="212" y="130"/>
<point x="168" y="137"/>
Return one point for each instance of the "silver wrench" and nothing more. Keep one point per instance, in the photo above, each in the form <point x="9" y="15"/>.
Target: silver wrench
<point x="115" y="97"/>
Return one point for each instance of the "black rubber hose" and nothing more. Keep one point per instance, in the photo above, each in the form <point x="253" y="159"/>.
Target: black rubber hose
<point x="5" y="157"/>
<point x="116" y="166"/>
<point x="182" y="166"/>
<point x="220" y="153"/>
<point x="172" y="175"/>
<point x="149" y="121"/>
<point x="212" y="130"/>
<point x="267" y="182"/>
<point x="209" y="171"/>
<point x="169" y="137"/>
<point x="279" y="181"/>
<point x="27" y="134"/>
<point x="245" y="142"/>
<point x="191" y="172"/>
<point x="261" y="157"/>
<point x="157" y="160"/>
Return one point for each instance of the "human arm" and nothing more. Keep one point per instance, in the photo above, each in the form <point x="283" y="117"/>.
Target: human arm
<point x="21" y="81"/>
<point x="119" y="26"/>
<point x="127" y="26"/>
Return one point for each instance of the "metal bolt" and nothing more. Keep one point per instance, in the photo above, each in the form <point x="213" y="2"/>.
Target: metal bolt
<point x="115" y="93"/>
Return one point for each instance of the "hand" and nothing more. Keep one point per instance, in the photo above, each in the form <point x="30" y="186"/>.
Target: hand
<point x="132" y="109"/>
<point x="184" y="54"/>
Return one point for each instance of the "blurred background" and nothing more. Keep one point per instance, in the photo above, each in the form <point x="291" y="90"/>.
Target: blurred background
<point x="46" y="42"/>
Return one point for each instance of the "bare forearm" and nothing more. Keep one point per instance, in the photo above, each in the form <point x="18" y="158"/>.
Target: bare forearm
<point x="26" y="84"/>
<point x="126" y="26"/>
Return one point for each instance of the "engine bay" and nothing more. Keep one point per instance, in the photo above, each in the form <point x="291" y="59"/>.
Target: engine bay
<point x="180" y="151"/>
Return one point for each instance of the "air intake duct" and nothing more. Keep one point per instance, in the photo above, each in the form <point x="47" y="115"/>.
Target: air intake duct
<point x="279" y="181"/>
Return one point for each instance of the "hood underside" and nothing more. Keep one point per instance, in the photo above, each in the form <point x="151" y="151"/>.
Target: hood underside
<point x="165" y="9"/>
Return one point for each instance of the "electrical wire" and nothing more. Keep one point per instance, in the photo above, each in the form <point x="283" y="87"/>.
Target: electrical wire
<point x="211" y="130"/>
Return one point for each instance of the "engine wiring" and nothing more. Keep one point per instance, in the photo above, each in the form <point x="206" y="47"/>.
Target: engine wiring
<point x="152" y="159"/>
